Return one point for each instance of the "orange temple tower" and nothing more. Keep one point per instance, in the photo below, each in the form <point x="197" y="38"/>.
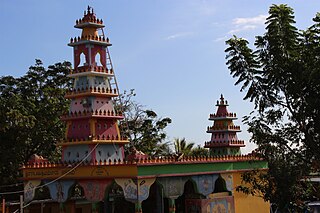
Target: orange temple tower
<point x="92" y="118"/>
<point x="224" y="139"/>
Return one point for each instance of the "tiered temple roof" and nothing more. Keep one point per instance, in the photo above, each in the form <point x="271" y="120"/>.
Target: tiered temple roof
<point x="92" y="118"/>
<point x="224" y="139"/>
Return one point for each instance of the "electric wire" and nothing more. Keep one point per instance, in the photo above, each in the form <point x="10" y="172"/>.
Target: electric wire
<point x="11" y="185"/>
<point x="58" y="178"/>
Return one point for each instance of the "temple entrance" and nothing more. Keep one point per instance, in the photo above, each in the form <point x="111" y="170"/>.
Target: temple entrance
<point x="189" y="192"/>
<point x="115" y="201"/>
<point x="220" y="185"/>
<point x="154" y="203"/>
<point x="41" y="202"/>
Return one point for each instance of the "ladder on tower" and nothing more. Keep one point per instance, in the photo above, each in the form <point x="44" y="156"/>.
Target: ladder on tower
<point x="113" y="84"/>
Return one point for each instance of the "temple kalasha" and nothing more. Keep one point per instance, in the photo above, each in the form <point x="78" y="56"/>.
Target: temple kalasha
<point x="94" y="175"/>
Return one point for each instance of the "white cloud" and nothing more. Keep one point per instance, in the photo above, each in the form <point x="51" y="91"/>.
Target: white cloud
<point x="242" y="28"/>
<point x="221" y="39"/>
<point x="258" y="20"/>
<point x="179" y="35"/>
<point x="245" y="24"/>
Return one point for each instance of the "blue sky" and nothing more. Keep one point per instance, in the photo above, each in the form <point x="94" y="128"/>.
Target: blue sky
<point x="170" y="51"/>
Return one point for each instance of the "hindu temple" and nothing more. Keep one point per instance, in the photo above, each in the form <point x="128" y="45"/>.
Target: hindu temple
<point x="94" y="176"/>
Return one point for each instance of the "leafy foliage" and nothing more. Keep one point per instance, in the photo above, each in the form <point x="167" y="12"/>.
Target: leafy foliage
<point x="282" y="77"/>
<point x="200" y="151"/>
<point x="143" y="127"/>
<point x="30" y="109"/>
<point x="181" y="146"/>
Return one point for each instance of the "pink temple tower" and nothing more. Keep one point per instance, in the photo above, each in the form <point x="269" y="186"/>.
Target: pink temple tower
<point x="92" y="119"/>
<point x="224" y="139"/>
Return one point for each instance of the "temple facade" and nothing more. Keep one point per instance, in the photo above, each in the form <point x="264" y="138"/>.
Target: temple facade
<point x="94" y="176"/>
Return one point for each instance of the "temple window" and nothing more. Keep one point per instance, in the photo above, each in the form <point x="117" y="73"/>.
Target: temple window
<point x="98" y="59"/>
<point x="83" y="60"/>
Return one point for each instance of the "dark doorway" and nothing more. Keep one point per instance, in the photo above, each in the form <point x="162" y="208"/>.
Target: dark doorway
<point x="154" y="203"/>
<point x="220" y="185"/>
<point x="115" y="201"/>
<point x="189" y="192"/>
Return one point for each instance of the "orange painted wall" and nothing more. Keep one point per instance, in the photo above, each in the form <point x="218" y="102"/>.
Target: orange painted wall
<point x="247" y="203"/>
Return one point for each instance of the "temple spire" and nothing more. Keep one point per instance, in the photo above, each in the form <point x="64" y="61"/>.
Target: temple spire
<point x="92" y="119"/>
<point x="224" y="139"/>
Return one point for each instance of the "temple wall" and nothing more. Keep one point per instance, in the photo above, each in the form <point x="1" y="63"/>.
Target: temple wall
<point x="108" y="152"/>
<point x="79" y="129"/>
<point x="76" y="153"/>
<point x="102" y="104"/>
<point x="247" y="203"/>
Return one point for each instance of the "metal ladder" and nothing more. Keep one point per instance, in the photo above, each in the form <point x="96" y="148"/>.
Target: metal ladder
<point x="113" y="84"/>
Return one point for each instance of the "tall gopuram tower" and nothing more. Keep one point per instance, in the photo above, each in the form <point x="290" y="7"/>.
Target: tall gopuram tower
<point x="224" y="139"/>
<point x="92" y="118"/>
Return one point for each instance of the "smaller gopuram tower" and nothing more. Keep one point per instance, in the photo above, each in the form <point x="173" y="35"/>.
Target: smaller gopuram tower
<point x="224" y="139"/>
<point x="92" y="118"/>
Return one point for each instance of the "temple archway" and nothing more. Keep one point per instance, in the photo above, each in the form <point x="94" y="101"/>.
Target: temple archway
<point x="98" y="59"/>
<point x="83" y="59"/>
<point x="115" y="200"/>
<point x="154" y="203"/>
<point x="220" y="185"/>
<point x="190" y="192"/>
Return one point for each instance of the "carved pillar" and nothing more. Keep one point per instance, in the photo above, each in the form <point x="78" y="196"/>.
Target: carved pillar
<point x="135" y="190"/>
<point x="138" y="207"/>
<point x="62" y="208"/>
<point x="172" y="205"/>
<point x="95" y="207"/>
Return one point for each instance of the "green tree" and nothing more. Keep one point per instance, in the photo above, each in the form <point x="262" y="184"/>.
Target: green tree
<point x="281" y="76"/>
<point x="30" y="110"/>
<point x="200" y="151"/>
<point x="143" y="127"/>
<point x="181" y="146"/>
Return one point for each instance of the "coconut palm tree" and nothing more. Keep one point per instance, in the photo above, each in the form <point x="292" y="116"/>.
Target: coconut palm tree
<point x="182" y="147"/>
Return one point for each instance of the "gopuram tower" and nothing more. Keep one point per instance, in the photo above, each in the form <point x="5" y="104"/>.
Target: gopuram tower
<point x="224" y="139"/>
<point x="92" y="118"/>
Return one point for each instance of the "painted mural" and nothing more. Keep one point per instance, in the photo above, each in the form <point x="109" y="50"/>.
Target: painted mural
<point x="29" y="189"/>
<point x="173" y="187"/>
<point x="205" y="183"/>
<point x="59" y="190"/>
<point x="135" y="190"/>
<point x="94" y="190"/>
<point x="215" y="205"/>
